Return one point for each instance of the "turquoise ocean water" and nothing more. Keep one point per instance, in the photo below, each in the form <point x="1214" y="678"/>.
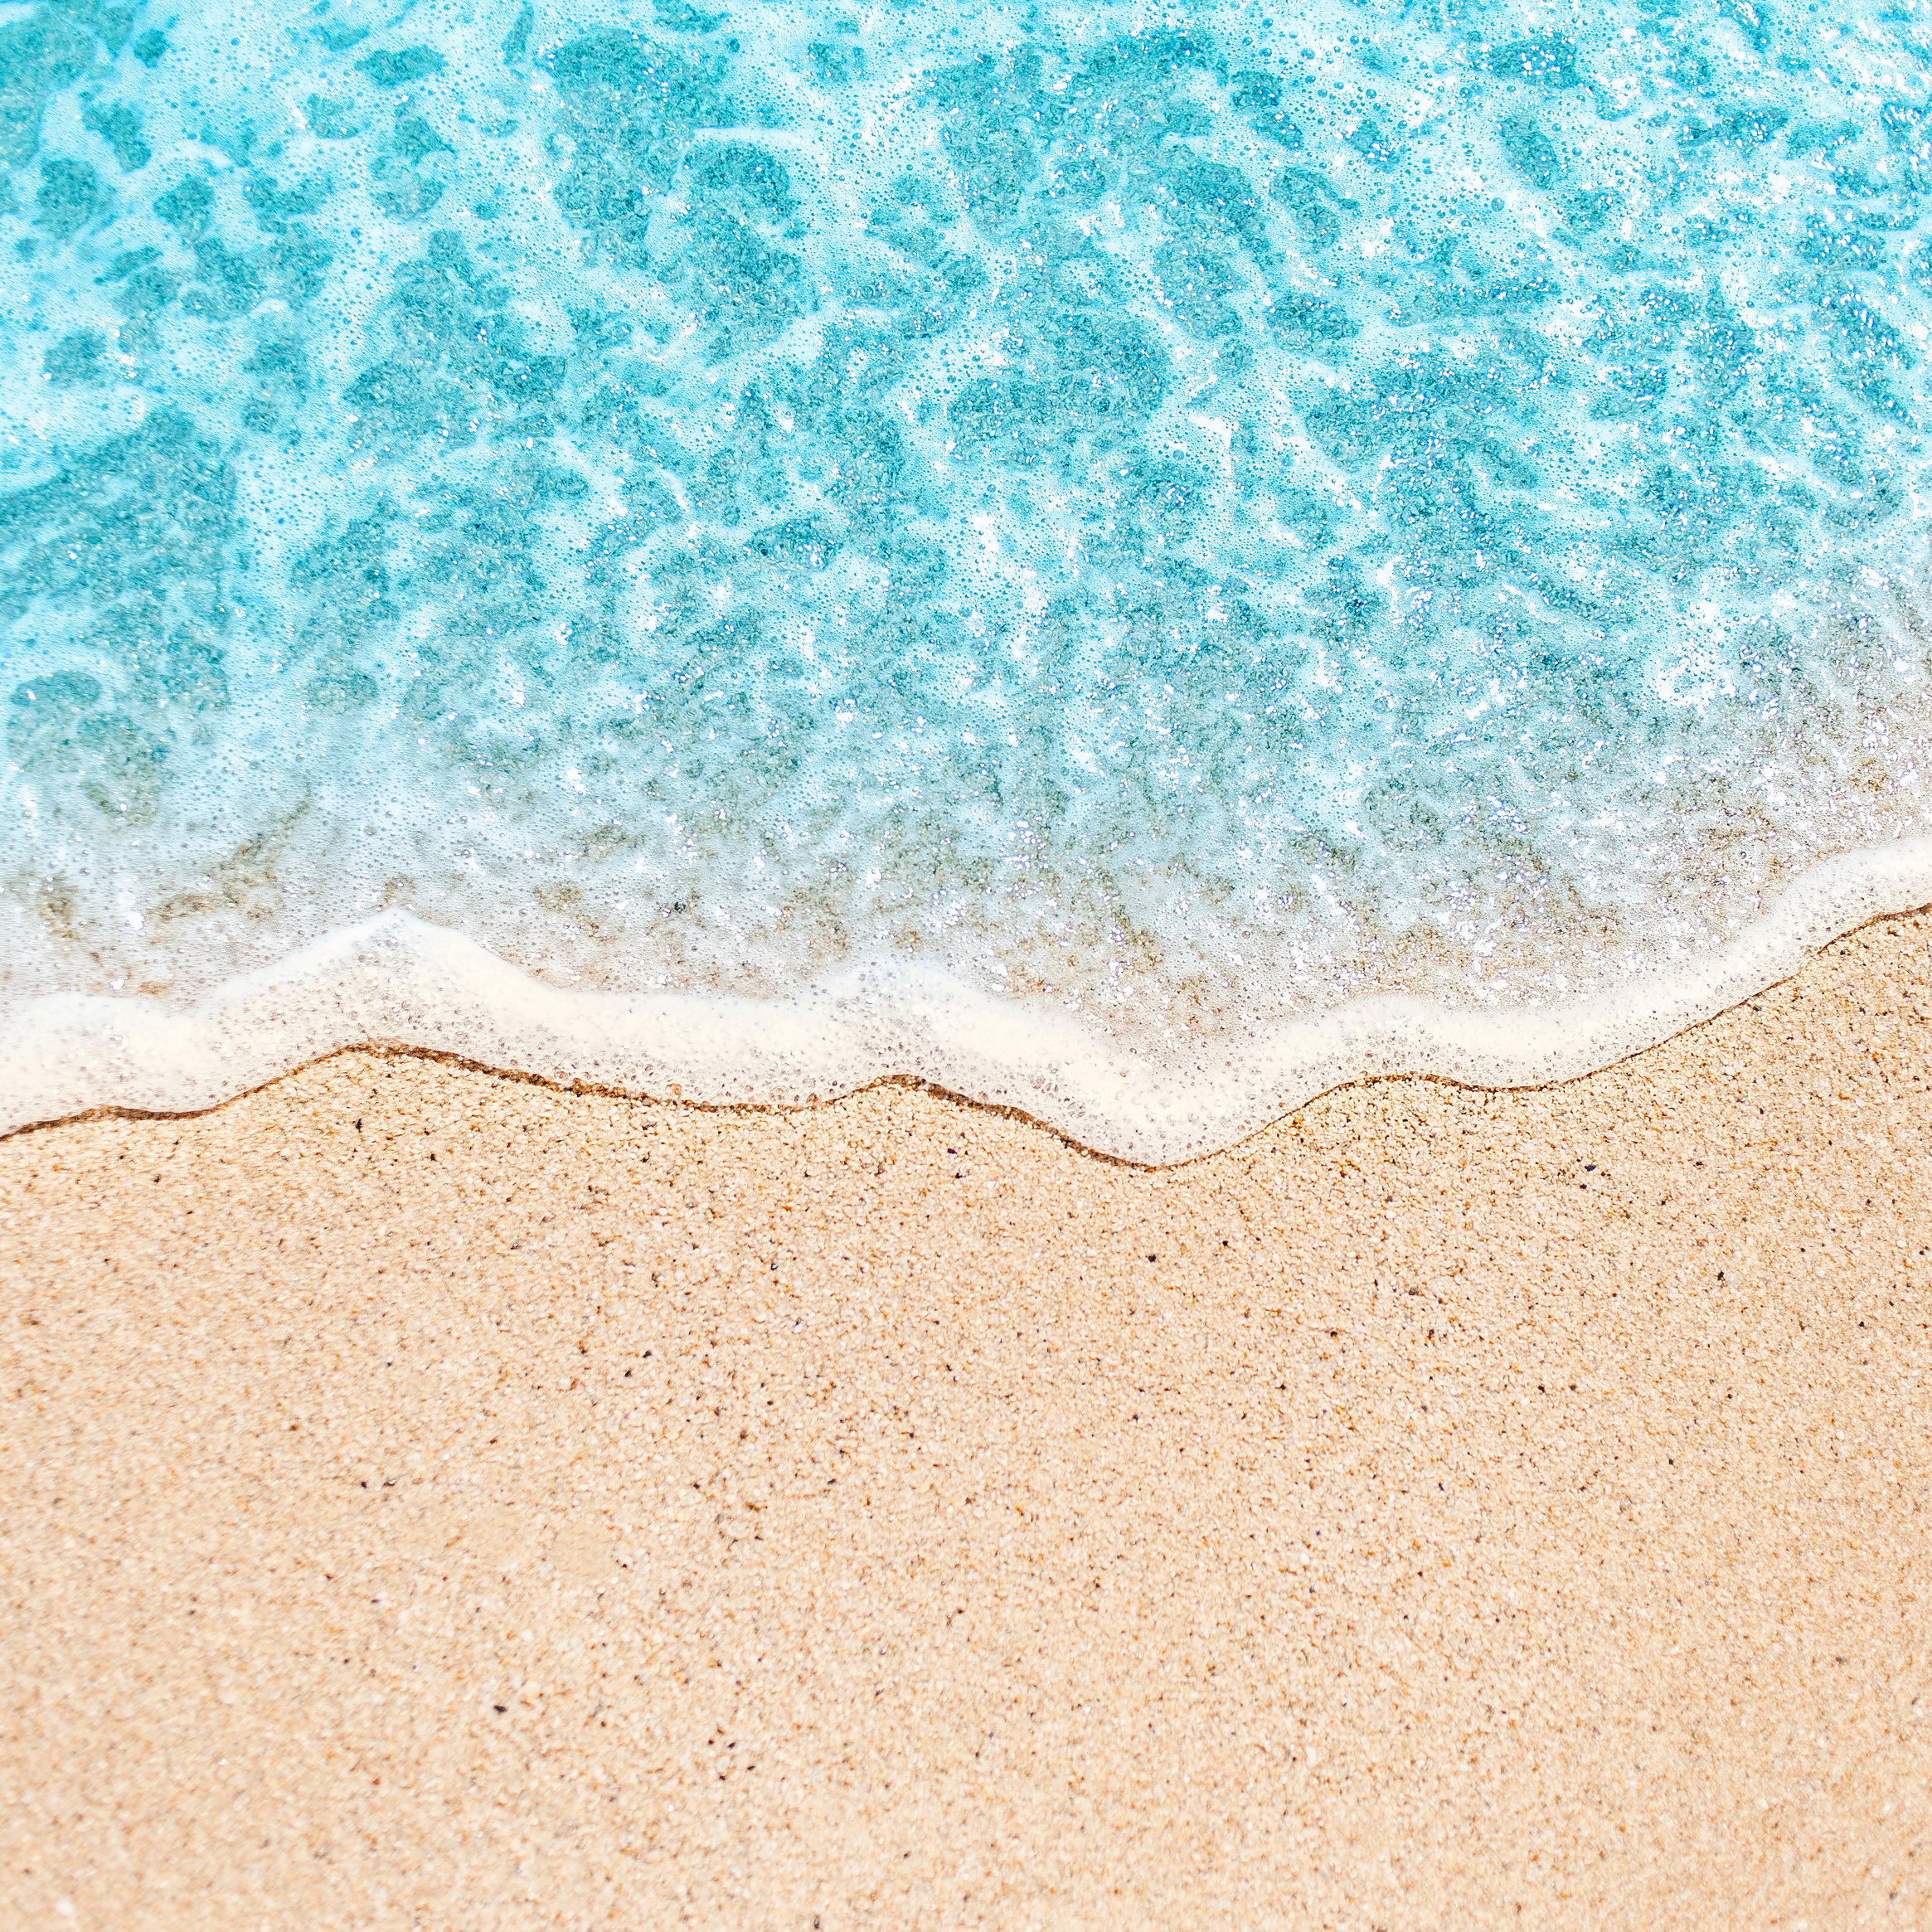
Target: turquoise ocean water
<point x="1131" y="560"/>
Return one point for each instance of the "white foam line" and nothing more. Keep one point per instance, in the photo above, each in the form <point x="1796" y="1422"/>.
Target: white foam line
<point x="395" y="981"/>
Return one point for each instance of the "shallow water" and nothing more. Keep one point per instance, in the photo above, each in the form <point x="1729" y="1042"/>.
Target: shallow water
<point x="1153" y="525"/>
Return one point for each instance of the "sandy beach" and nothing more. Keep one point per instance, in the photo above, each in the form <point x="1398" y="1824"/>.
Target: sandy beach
<point x="431" y="1499"/>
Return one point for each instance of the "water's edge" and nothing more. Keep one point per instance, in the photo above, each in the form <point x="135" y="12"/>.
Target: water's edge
<point x="395" y="981"/>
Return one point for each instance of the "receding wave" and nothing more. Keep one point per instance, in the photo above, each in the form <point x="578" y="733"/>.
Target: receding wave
<point x="1127" y="560"/>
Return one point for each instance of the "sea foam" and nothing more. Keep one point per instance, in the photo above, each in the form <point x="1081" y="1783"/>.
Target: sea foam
<point x="1131" y="563"/>
<point x="396" y="981"/>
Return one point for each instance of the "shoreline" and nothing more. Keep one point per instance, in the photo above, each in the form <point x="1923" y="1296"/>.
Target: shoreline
<point x="438" y="1497"/>
<point x="395" y="981"/>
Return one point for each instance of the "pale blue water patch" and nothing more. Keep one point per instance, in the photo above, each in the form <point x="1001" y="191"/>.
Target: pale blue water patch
<point x="1163" y="522"/>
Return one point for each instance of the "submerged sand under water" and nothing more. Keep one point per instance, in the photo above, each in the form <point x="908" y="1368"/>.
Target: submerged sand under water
<point x="1191" y="524"/>
<point x="431" y="1498"/>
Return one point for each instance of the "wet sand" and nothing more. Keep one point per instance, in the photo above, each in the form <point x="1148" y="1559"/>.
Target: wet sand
<point x="430" y="1499"/>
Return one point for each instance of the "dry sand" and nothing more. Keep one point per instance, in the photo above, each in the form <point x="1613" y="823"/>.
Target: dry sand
<point x="428" y="1499"/>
